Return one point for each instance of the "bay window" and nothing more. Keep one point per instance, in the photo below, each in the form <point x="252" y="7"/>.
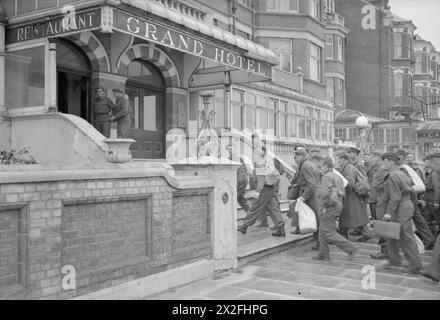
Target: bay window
<point x="315" y="62"/>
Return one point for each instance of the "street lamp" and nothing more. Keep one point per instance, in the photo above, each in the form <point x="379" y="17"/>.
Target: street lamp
<point x="365" y="131"/>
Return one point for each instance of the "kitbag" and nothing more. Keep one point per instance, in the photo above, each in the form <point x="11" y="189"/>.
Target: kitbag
<point x="361" y="184"/>
<point x="306" y="218"/>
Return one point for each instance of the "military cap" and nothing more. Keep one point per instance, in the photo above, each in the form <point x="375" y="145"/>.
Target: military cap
<point x="435" y="154"/>
<point x="300" y="151"/>
<point x="301" y="146"/>
<point x="402" y="152"/>
<point x="352" y="149"/>
<point x="315" y="150"/>
<point x="343" y="155"/>
<point x="391" y="155"/>
<point x="118" y="90"/>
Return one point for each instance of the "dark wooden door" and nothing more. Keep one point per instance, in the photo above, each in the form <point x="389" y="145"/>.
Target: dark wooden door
<point x="148" y="122"/>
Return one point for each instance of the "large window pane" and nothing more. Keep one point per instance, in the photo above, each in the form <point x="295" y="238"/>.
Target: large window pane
<point x="329" y="46"/>
<point x="25" y="85"/>
<point x="283" y="48"/>
<point x="262" y="113"/>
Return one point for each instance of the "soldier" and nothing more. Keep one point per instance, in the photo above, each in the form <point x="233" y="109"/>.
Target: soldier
<point x="400" y="209"/>
<point x="374" y="166"/>
<point x="353" y="154"/>
<point x="330" y="194"/>
<point x="102" y="110"/>
<point x="433" y="270"/>
<point x="121" y="113"/>
<point x="420" y="222"/>
<point x="354" y="212"/>
<point x="411" y="160"/>
<point x="317" y="158"/>
<point x="432" y="196"/>
<point x="306" y="179"/>
<point x="267" y="202"/>
<point x="378" y="189"/>
<point x="242" y="182"/>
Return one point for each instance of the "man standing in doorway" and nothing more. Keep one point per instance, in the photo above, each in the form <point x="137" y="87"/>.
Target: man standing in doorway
<point x="121" y="113"/>
<point x="102" y="109"/>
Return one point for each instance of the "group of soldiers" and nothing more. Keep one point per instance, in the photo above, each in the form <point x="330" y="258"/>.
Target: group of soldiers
<point x="347" y="196"/>
<point x="105" y="112"/>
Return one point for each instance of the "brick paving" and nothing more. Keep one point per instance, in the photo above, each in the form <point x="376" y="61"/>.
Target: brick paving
<point x="293" y="274"/>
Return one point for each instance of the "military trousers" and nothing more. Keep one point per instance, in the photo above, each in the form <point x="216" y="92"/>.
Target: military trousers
<point x="407" y="242"/>
<point x="241" y="191"/>
<point x="103" y="126"/>
<point x="423" y="228"/>
<point x="434" y="266"/>
<point x="267" y="202"/>
<point x="327" y="232"/>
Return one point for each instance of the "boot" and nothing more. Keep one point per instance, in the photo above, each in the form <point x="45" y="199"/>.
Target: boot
<point x="280" y="233"/>
<point x="242" y="228"/>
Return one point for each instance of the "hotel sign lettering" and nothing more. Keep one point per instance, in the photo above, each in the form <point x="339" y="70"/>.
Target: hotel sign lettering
<point x="80" y="21"/>
<point x="161" y="34"/>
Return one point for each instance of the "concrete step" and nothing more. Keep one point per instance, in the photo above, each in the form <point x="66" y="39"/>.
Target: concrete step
<point x="284" y="206"/>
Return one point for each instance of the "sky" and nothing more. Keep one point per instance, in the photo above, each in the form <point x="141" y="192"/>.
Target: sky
<point x="425" y="14"/>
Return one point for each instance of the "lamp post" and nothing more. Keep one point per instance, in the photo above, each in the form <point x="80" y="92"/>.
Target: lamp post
<point x="365" y="131"/>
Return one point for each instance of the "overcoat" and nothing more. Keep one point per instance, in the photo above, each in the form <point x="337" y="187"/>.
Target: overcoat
<point x="354" y="212"/>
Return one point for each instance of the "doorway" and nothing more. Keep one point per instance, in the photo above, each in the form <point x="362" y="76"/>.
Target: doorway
<point x="146" y="91"/>
<point x="73" y="80"/>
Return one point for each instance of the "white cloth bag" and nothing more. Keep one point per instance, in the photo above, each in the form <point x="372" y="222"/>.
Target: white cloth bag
<point x="418" y="186"/>
<point x="344" y="181"/>
<point x="306" y="217"/>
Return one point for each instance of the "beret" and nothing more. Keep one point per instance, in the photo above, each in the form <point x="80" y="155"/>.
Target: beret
<point x="391" y="155"/>
<point x="314" y="150"/>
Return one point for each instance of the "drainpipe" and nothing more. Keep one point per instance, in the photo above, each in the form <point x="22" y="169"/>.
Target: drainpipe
<point x="2" y="63"/>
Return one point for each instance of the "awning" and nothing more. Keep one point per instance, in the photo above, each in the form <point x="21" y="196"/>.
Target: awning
<point x="430" y="130"/>
<point x="194" y="37"/>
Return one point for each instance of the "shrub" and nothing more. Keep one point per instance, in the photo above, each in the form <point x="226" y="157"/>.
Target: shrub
<point x="16" y="157"/>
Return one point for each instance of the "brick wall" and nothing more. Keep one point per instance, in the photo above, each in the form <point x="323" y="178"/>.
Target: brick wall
<point x="111" y="231"/>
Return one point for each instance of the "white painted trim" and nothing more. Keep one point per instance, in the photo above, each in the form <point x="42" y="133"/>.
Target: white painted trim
<point x="290" y="34"/>
<point x="28" y="45"/>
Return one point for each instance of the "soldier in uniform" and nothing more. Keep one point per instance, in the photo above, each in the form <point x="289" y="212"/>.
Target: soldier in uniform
<point x="242" y="182"/>
<point x="400" y="209"/>
<point x="433" y="270"/>
<point x="330" y="194"/>
<point x="354" y="212"/>
<point x="121" y="113"/>
<point x="267" y="202"/>
<point x="102" y="110"/>
<point x="306" y="179"/>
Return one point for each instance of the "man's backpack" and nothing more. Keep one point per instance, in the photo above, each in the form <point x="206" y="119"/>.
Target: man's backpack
<point x="361" y="184"/>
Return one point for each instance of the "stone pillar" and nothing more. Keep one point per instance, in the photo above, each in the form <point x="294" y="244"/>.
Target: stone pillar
<point x="53" y="105"/>
<point x="224" y="215"/>
<point x="5" y="127"/>
<point x="176" y="115"/>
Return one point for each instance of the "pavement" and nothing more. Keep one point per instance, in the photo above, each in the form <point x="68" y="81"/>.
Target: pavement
<point x="292" y="274"/>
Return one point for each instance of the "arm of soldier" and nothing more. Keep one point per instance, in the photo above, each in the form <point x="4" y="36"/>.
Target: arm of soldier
<point x="124" y="109"/>
<point x="350" y="176"/>
<point x="310" y="183"/>
<point x="323" y="191"/>
<point x="111" y="105"/>
<point x="394" y="196"/>
<point x="436" y="185"/>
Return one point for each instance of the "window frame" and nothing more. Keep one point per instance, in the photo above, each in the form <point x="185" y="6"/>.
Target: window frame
<point x="317" y="60"/>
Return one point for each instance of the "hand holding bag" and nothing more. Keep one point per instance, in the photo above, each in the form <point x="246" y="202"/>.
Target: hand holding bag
<point x="307" y="218"/>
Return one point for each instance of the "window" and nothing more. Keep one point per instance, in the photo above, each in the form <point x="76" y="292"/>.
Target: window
<point x="283" y="48"/>
<point x="340" y="92"/>
<point x="262" y="113"/>
<point x="301" y="123"/>
<point x="329" y="49"/>
<point x="353" y="134"/>
<point x="315" y="9"/>
<point x="243" y="34"/>
<point x="273" y="106"/>
<point x="250" y="101"/>
<point x="283" y="119"/>
<point x="330" y="6"/>
<point x="315" y="62"/>
<point x="237" y="105"/>
<point x="330" y="89"/>
<point x="283" y="5"/>
<point x="292" y="120"/>
<point x="408" y="135"/>
<point x="340" y="49"/>
<point x="392" y="135"/>
<point x="341" y="133"/>
<point x="398" y="86"/>
<point x="25" y="71"/>
<point x="309" y="129"/>
<point x="398" y="45"/>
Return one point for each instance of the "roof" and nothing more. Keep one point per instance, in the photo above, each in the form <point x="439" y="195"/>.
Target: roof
<point x="430" y="126"/>
<point x="349" y="115"/>
<point x="253" y="49"/>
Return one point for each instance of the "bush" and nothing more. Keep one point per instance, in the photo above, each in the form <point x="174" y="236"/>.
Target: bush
<point x="16" y="157"/>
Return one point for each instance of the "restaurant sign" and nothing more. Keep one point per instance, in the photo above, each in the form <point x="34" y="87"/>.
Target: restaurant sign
<point x="430" y="134"/>
<point x="69" y="22"/>
<point x="156" y="32"/>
